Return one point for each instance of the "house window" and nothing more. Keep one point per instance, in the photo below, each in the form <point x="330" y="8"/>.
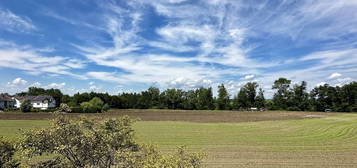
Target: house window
<point x="38" y="103"/>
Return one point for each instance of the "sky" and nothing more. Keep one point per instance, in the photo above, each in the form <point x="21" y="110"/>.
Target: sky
<point x="119" y="46"/>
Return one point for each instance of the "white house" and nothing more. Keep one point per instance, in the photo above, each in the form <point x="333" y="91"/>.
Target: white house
<point x="6" y="102"/>
<point x="42" y="102"/>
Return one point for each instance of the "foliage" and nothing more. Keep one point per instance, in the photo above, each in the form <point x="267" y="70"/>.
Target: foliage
<point x="247" y="97"/>
<point x="26" y="106"/>
<point x="280" y="98"/>
<point x="223" y="98"/>
<point x="93" y="106"/>
<point x="150" y="157"/>
<point x="286" y="97"/>
<point x="7" y="152"/>
<point x="105" y="108"/>
<point x="173" y="98"/>
<point x="109" y="143"/>
<point x="65" y="108"/>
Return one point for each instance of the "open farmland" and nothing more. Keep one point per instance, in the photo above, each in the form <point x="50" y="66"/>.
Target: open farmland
<point x="237" y="139"/>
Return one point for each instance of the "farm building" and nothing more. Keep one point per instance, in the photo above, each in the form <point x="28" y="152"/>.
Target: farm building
<point x="42" y="102"/>
<point x="6" y="101"/>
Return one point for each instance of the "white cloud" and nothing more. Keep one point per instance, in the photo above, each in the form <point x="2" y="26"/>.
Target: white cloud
<point x="342" y="81"/>
<point x="334" y="75"/>
<point x="321" y="84"/>
<point x="248" y="77"/>
<point x="185" y="83"/>
<point x="56" y="85"/>
<point x="36" y="84"/>
<point x="14" y="23"/>
<point x="94" y="87"/>
<point x="17" y="82"/>
<point x="34" y="62"/>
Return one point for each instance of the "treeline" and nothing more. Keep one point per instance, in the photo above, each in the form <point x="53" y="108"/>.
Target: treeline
<point x="286" y="97"/>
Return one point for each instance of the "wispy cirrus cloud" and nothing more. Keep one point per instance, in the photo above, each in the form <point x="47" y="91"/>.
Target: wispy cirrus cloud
<point x="185" y="43"/>
<point x="33" y="61"/>
<point x="14" y="23"/>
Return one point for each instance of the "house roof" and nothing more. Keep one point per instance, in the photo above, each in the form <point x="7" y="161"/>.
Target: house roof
<point x="4" y="97"/>
<point x="35" y="98"/>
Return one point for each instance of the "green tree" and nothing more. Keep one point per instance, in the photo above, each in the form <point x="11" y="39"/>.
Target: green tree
<point x="190" y="101"/>
<point x="260" y="99"/>
<point x="280" y="98"/>
<point x="241" y="99"/>
<point x="223" y="98"/>
<point x="26" y="106"/>
<point x="324" y="97"/>
<point x="205" y="99"/>
<point x="300" y="97"/>
<point x="251" y="91"/>
<point x="173" y="98"/>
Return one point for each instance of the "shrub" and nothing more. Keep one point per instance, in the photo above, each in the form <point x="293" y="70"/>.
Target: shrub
<point x="88" y="107"/>
<point x="93" y="106"/>
<point x="89" y="143"/>
<point x="293" y="108"/>
<point x="105" y="108"/>
<point x="26" y="106"/>
<point x="76" y="109"/>
<point x="7" y="152"/>
<point x="11" y="109"/>
<point x="64" y="108"/>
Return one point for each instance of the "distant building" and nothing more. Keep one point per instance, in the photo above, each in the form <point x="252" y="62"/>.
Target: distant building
<point x="253" y="109"/>
<point x="42" y="102"/>
<point x="6" y="101"/>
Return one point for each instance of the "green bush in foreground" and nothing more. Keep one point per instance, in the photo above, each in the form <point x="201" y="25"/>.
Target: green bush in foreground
<point x="87" y="143"/>
<point x="7" y="152"/>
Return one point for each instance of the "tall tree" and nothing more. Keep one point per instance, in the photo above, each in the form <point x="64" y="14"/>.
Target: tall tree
<point x="241" y="100"/>
<point x="260" y="99"/>
<point x="204" y="99"/>
<point x="223" y="98"/>
<point x="173" y="98"/>
<point x="280" y="98"/>
<point x="299" y="99"/>
<point x="251" y="91"/>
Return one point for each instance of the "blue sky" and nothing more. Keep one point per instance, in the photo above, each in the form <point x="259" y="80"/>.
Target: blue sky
<point x="129" y="45"/>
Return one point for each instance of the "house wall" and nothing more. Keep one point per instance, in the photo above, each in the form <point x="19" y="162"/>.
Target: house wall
<point x="17" y="103"/>
<point x="38" y="104"/>
<point x="2" y="105"/>
<point x="7" y="104"/>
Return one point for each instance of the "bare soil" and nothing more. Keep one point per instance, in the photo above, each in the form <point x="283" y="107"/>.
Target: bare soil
<point x="203" y="116"/>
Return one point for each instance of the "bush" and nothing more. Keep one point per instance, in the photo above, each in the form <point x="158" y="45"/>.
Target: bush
<point x="7" y="152"/>
<point x="105" y="108"/>
<point x="64" y="108"/>
<point x="11" y="109"/>
<point x="26" y="106"/>
<point x="93" y="106"/>
<point x="88" y="108"/>
<point x="89" y="143"/>
<point x="76" y="109"/>
<point x="293" y="108"/>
